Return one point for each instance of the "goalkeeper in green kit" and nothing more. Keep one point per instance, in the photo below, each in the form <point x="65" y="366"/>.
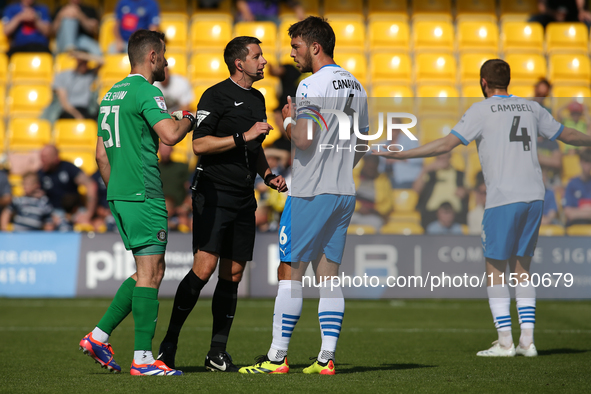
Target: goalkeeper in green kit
<point x="132" y="118"/>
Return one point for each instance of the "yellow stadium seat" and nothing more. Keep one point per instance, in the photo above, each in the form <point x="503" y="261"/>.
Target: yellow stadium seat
<point x="407" y="217"/>
<point x="64" y="62"/>
<point x="359" y="229"/>
<point x="270" y="93"/>
<point x="387" y="9"/>
<point x="476" y="9"/>
<point x="198" y="91"/>
<point x="521" y="8"/>
<point x="431" y="8"/>
<point x="213" y="14"/>
<point x="27" y="134"/>
<point x="402" y="228"/>
<point x="433" y="36"/>
<point x="432" y="128"/>
<point x="4" y="43"/>
<point x="354" y="62"/>
<point x="526" y="68"/>
<point x="389" y="35"/>
<point x="207" y="66"/>
<point x="522" y="90"/>
<point x="75" y="134"/>
<point x="564" y="94"/>
<point x="264" y="31"/>
<point x="571" y="167"/>
<point x="176" y="28"/>
<point x="470" y="64"/>
<point x="567" y="38"/>
<point x="173" y="6"/>
<point x="551" y="230"/>
<point x="107" y="32"/>
<point x="388" y="97"/>
<point x="522" y="37"/>
<point x="177" y="63"/>
<point x="2" y="138"/>
<point x="31" y="68"/>
<point x="405" y="200"/>
<point x="570" y="69"/>
<point x="116" y="67"/>
<point x="334" y="8"/>
<point x="579" y="230"/>
<point x="471" y="93"/>
<point x="438" y="99"/>
<point x="209" y="34"/>
<point x="274" y="134"/>
<point x="28" y="100"/>
<point x="435" y="67"/>
<point x="390" y="67"/>
<point x="83" y="159"/>
<point x="476" y="36"/>
<point x="350" y="34"/>
<point x="3" y="68"/>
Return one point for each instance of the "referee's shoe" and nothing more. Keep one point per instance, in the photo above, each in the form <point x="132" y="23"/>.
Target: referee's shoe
<point x="221" y="361"/>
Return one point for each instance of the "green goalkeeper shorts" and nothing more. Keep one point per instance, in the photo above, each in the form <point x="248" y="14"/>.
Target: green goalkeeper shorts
<point x="143" y="225"/>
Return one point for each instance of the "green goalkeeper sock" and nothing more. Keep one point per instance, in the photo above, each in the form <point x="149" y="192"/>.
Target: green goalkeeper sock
<point x="119" y="308"/>
<point x="145" y="314"/>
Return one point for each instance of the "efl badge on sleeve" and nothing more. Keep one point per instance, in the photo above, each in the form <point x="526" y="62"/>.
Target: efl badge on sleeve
<point x="161" y="103"/>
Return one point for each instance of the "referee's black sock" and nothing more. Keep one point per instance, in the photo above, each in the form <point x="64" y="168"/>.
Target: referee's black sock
<point x="185" y="299"/>
<point x="223" y="307"/>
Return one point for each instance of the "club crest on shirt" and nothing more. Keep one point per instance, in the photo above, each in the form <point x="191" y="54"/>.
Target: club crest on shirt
<point x="161" y="235"/>
<point x="161" y="103"/>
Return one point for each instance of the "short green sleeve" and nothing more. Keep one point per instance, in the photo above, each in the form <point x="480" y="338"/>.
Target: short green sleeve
<point x="151" y="104"/>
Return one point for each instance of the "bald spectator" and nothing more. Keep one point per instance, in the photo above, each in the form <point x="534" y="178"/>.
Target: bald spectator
<point x="59" y="178"/>
<point x="28" y="26"/>
<point x="177" y="92"/>
<point x="75" y="26"/>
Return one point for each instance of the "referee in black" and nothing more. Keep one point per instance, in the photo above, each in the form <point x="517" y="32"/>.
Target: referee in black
<point x="231" y="125"/>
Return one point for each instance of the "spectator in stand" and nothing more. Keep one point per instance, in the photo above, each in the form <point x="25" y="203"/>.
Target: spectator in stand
<point x="269" y="201"/>
<point x="403" y="173"/>
<point x="28" y="26"/>
<point x="59" y="178"/>
<point x="175" y="183"/>
<point x="562" y="11"/>
<point x="265" y="10"/>
<point x="74" y="88"/>
<point x="103" y="219"/>
<point x="32" y="211"/>
<point x="550" y="158"/>
<point x="5" y="190"/>
<point x="373" y="195"/>
<point x="577" y="196"/>
<point x="177" y="92"/>
<point x="542" y="90"/>
<point x="476" y="214"/>
<point x="437" y="183"/>
<point x="290" y="77"/>
<point x="70" y="205"/>
<point x="76" y="25"/>
<point x="577" y="118"/>
<point x="133" y="15"/>
<point x="445" y="223"/>
<point x="550" y="213"/>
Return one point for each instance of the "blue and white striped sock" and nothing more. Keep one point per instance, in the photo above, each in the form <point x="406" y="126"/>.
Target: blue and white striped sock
<point x="500" y="303"/>
<point x="526" y="308"/>
<point x="288" y="308"/>
<point x="331" y="310"/>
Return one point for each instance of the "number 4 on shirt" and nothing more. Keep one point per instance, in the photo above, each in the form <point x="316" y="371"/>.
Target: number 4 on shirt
<point x="524" y="137"/>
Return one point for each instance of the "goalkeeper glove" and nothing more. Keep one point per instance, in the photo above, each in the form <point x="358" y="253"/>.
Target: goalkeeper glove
<point x="178" y="115"/>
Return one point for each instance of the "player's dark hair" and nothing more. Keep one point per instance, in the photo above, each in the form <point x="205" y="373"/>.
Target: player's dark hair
<point x="141" y="42"/>
<point x="238" y="49"/>
<point x="315" y="29"/>
<point x="496" y="73"/>
<point x="585" y="155"/>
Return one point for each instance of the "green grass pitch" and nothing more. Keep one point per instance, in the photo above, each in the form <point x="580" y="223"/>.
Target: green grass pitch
<point x="418" y="346"/>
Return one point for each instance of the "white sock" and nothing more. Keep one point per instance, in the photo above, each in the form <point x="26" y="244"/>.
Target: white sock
<point x="100" y="335"/>
<point x="526" y="308"/>
<point x="331" y="310"/>
<point x="143" y="357"/>
<point x="500" y="303"/>
<point x="288" y="308"/>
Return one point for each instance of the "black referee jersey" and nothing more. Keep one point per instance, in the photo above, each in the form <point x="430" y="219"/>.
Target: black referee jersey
<point x="224" y="109"/>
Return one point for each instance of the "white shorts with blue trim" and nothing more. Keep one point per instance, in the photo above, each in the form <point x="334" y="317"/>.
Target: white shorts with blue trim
<point x="511" y="230"/>
<point x="312" y="226"/>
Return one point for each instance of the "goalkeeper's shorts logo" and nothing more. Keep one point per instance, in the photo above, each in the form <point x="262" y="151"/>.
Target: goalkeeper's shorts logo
<point x="161" y="235"/>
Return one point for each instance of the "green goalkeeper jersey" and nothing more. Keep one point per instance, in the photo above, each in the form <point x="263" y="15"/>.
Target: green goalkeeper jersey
<point x="126" y="119"/>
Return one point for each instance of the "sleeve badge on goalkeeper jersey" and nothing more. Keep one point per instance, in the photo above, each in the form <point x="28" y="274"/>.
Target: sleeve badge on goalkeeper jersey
<point x="161" y="103"/>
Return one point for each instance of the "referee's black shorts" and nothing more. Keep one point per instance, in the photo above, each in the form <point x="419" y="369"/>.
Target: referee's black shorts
<point x="224" y="224"/>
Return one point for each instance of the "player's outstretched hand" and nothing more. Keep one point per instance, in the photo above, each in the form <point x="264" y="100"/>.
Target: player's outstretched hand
<point x="390" y="155"/>
<point x="276" y="182"/>
<point x="257" y="130"/>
